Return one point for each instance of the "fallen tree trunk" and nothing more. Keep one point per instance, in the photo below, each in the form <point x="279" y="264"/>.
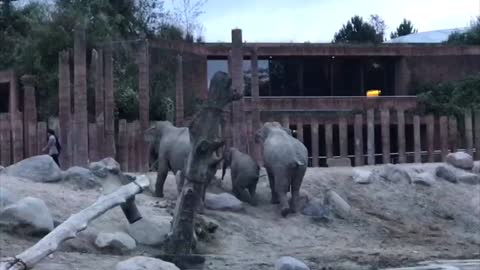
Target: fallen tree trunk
<point x="73" y="225"/>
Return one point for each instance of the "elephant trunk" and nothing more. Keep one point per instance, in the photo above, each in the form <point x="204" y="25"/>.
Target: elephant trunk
<point x="227" y="159"/>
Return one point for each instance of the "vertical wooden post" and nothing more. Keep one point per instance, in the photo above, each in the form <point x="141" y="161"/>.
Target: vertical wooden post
<point x="452" y="133"/>
<point x="179" y="108"/>
<point x="416" y="139"/>
<point x="300" y="129"/>
<point x="92" y="142"/>
<point x="468" y="131"/>
<point x="430" y="119"/>
<point x="17" y="140"/>
<point x="80" y="143"/>
<point x="314" y="131"/>
<point x="109" y="144"/>
<point x="100" y="104"/>
<point x="250" y="135"/>
<point x="256" y="122"/>
<point x="29" y="116"/>
<point x="358" y="133"/>
<point x="444" y="136"/>
<point x="5" y="141"/>
<point x="477" y="134"/>
<point x="238" y="124"/>
<point x="371" y="136"/>
<point x="41" y="135"/>
<point x="131" y="146"/>
<point x="65" y="109"/>
<point x="144" y="102"/>
<point x="138" y="148"/>
<point x="122" y="144"/>
<point x="385" y="125"/>
<point x="402" y="158"/>
<point x="329" y="140"/>
<point x="343" y="134"/>
<point x="285" y="121"/>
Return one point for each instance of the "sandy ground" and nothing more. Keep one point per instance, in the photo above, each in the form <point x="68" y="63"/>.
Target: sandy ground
<point x="392" y="225"/>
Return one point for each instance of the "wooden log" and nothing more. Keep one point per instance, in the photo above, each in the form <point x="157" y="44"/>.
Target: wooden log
<point x="452" y="133"/>
<point x="239" y="134"/>
<point x="443" y="123"/>
<point x="100" y="103"/>
<point x="416" y="139"/>
<point x="92" y="142"/>
<point x="371" y="136"/>
<point x="385" y="126"/>
<point x="123" y="144"/>
<point x="64" y="108"/>
<point x="343" y="136"/>
<point x="5" y="141"/>
<point x="430" y="120"/>
<point x="315" y="141"/>
<point x="17" y="138"/>
<point x="468" y="131"/>
<point x="329" y="140"/>
<point x="109" y="145"/>
<point x="358" y="134"/>
<point x="477" y="134"/>
<point x="73" y="225"/>
<point x="299" y="125"/>
<point x="41" y="135"/>
<point x="402" y="157"/>
<point x="80" y="143"/>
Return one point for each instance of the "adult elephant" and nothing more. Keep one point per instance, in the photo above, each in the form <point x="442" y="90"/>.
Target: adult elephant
<point x="285" y="159"/>
<point x="171" y="146"/>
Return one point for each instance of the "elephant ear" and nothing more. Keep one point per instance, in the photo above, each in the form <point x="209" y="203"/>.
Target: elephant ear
<point x="150" y="134"/>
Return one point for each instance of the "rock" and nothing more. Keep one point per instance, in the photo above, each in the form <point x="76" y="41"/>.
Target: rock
<point x="223" y="201"/>
<point x="80" y="178"/>
<point x="338" y="204"/>
<point x="37" y="168"/>
<point x="395" y="174"/>
<point x="339" y="162"/>
<point x="468" y="178"/>
<point x="424" y="178"/>
<point x="2" y="169"/>
<point x="103" y="167"/>
<point x="7" y="197"/>
<point x="316" y="209"/>
<point x="476" y="167"/>
<point x="204" y="227"/>
<point x="145" y="263"/>
<point x="290" y="263"/>
<point x="150" y="231"/>
<point x="29" y="216"/>
<point x="360" y="176"/>
<point x="460" y="160"/>
<point x="118" y="241"/>
<point x="446" y="173"/>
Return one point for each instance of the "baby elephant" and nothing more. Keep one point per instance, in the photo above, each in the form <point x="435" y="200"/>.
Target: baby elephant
<point x="244" y="172"/>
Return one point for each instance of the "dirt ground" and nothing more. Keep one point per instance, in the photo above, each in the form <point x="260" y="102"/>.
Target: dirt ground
<point x="392" y="225"/>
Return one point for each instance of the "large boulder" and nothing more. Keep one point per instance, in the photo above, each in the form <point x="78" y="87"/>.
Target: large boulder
<point x="424" y="179"/>
<point x="29" y="216"/>
<point x="338" y="205"/>
<point x="80" y="178"/>
<point x="361" y="176"/>
<point x="460" y="160"/>
<point x="117" y="241"/>
<point x="150" y="231"/>
<point x="145" y="263"/>
<point x="2" y="169"/>
<point x="7" y="197"/>
<point x="290" y="263"/>
<point x="316" y="209"/>
<point x="37" y="168"/>
<point x="223" y="202"/>
<point x="476" y="167"/>
<point x="103" y="167"/>
<point x="446" y="173"/>
<point x="395" y="174"/>
<point x="468" y="178"/>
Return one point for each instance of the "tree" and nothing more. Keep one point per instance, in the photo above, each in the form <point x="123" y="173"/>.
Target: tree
<point x="186" y="13"/>
<point x="469" y="37"/>
<point x="356" y="30"/>
<point x="405" y="28"/>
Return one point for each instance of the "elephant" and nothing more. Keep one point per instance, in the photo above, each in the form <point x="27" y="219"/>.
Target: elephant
<point x="171" y="146"/>
<point x="285" y="159"/>
<point x="244" y="173"/>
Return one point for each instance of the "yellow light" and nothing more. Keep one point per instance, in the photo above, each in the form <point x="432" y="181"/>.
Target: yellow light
<point x="373" y="93"/>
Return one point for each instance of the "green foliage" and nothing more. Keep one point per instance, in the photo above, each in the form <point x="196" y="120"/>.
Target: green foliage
<point x="356" y="30"/>
<point x="405" y="28"/>
<point x="450" y="98"/>
<point x="469" y="37"/>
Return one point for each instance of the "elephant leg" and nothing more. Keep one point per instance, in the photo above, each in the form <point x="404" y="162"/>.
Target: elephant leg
<point x="297" y="179"/>
<point x="162" y="173"/>
<point x="281" y="188"/>
<point x="271" y="180"/>
<point x="180" y="179"/>
<point x="252" y="189"/>
<point x="241" y="194"/>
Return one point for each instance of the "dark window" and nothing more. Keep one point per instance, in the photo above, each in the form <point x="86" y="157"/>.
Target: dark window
<point x="4" y="97"/>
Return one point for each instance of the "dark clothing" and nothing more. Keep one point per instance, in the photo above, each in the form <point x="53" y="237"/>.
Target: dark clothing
<point x="55" y="158"/>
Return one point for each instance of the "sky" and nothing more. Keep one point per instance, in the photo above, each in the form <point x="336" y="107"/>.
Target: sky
<point x="318" y="20"/>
